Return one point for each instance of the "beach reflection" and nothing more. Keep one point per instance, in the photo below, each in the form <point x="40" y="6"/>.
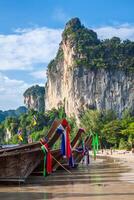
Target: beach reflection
<point x="101" y="180"/>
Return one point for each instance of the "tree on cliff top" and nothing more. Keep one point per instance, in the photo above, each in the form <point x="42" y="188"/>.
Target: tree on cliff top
<point x="37" y="93"/>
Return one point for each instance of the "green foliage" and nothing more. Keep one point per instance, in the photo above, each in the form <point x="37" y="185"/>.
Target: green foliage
<point x="14" y="140"/>
<point x="91" y="121"/>
<point x="2" y="133"/>
<point x="35" y="90"/>
<point x="124" y="144"/>
<point x="12" y="113"/>
<point x="39" y="134"/>
<point x="110" y="53"/>
<point x="112" y="132"/>
<point x="118" y="133"/>
<point x="58" y="59"/>
<point x="25" y="123"/>
<point x="11" y="123"/>
<point x="92" y="53"/>
<point x="79" y="35"/>
<point x="74" y="128"/>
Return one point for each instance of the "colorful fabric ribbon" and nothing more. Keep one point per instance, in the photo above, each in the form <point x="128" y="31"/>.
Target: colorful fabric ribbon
<point x="84" y="153"/>
<point x="20" y="135"/>
<point x="64" y="131"/>
<point x="68" y="145"/>
<point x="83" y="147"/>
<point x="34" y="120"/>
<point x="61" y="131"/>
<point x="47" y="160"/>
<point x="95" y="144"/>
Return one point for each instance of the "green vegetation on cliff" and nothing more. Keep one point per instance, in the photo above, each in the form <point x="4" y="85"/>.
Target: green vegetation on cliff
<point x="35" y="90"/>
<point x="93" y="53"/>
<point x="37" y="93"/>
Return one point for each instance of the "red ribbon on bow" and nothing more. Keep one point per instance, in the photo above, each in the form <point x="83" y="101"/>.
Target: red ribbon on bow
<point x="68" y="146"/>
<point x="49" y="159"/>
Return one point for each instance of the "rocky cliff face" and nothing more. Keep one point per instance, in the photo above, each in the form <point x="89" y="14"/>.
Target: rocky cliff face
<point x="83" y="76"/>
<point x="34" y="98"/>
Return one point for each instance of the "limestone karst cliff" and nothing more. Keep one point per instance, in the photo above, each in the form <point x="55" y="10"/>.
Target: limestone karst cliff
<point x="89" y="73"/>
<point x="34" y="98"/>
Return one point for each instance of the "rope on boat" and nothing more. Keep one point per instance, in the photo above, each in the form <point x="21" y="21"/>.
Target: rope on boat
<point x="56" y="160"/>
<point x="62" y="165"/>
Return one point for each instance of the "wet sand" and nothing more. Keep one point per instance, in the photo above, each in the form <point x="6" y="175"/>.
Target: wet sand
<point x="104" y="179"/>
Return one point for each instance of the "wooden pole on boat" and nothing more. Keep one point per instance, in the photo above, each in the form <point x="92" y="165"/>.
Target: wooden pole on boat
<point x="58" y="161"/>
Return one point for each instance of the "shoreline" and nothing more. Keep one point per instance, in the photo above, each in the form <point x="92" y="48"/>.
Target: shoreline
<point x="125" y="157"/>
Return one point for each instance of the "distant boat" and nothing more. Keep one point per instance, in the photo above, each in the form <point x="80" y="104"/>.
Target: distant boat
<point x="8" y="146"/>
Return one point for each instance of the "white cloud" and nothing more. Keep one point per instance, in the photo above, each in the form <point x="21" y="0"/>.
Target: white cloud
<point x="11" y="92"/>
<point x="39" y="74"/>
<point x="124" y="31"/>
<point x="27" y="47"/>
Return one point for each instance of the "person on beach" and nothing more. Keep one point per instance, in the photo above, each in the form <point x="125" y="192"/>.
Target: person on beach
<point x="111" y="150"/>
<point x="133" y="150"/>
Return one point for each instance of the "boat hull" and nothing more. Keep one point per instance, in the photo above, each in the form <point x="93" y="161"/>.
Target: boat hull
<point x="17" y="163"/>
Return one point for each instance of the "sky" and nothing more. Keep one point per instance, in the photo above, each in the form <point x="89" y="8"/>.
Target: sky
<point x="30" y="32"/>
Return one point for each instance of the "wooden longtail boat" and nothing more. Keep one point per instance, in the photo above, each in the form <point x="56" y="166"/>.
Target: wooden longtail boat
<point x="17" y="163"/>
<point x="58" y="156"/>
<point x="78" y="155"/>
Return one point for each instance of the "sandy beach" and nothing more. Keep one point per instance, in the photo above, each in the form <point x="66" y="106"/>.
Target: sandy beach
<point x="108" y="177"/>
<point x="126" y="157"/>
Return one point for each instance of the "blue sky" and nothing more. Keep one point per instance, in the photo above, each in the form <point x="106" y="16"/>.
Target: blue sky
<point x="30" y="31"/>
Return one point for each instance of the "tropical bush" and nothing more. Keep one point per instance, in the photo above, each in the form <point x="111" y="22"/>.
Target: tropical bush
<point x="113" y="132"/>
